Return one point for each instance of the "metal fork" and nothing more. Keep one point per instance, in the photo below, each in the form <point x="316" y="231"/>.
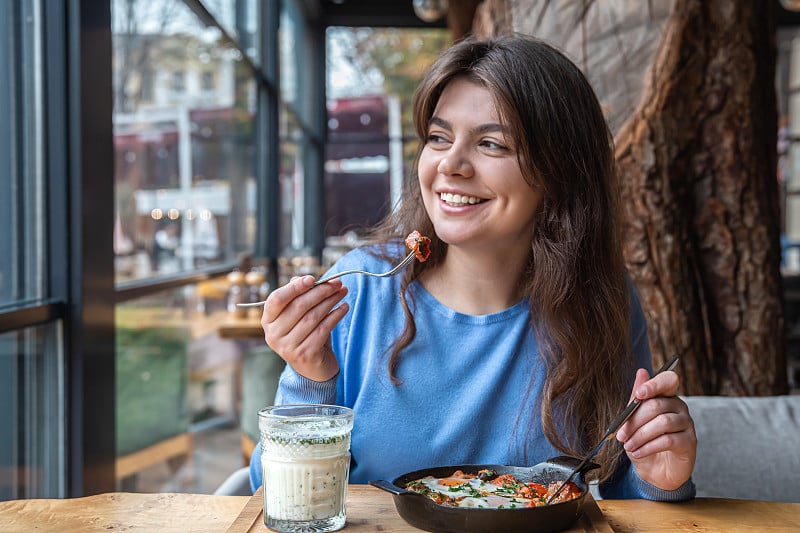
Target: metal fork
<point x="392" y="272"/>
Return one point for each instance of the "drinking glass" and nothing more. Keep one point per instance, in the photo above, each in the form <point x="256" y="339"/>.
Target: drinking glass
<point x="305" y="461"/>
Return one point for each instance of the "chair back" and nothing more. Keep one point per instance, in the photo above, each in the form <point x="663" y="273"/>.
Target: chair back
<point x="747" y="447"/>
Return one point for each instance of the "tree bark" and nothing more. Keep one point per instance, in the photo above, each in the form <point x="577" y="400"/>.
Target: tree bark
<point x="697" y="165"/>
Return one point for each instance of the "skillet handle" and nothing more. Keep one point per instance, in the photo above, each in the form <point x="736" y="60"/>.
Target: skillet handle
<point x="389" y="487"/>
<point x="570" y="463"/>
<point x="588" y="467"/>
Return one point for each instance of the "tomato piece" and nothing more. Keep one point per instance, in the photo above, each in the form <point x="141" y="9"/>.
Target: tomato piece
<point x="419" y="244"/>
<point x="505" y="479"/>
<point x="569" y="492"/>
<point x="411" y="240"/>
<point x="538" y="489"/>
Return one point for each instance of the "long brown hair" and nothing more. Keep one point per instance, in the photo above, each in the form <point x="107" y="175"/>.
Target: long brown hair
<point x="575" y="279"/>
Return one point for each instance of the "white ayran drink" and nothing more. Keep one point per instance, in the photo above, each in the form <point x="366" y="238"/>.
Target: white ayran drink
<point x="305" y="463"/>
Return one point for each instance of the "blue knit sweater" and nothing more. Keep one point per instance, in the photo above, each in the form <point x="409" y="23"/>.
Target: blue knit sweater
<point x="464" y="396"/>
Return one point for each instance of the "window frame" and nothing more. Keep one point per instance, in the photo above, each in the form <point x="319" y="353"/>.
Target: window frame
<point x="80" y="293"/>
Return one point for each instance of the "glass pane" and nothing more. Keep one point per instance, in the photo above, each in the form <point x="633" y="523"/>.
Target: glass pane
<point x="289" y="44"/>
<point x="371" y="77"/>
<point x="240" y="19"/>
<point x="184" y="142"/>
<point x="183" y="410"/>
<point x="291" y="185"/>
<point x="788" y="90"/>
<point x="32" y="417"/>
<point x="357" y="171"/>
<point x="22" y="238"/>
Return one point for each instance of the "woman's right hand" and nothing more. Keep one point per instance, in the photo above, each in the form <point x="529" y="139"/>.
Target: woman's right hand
<point x="298" y="319"/>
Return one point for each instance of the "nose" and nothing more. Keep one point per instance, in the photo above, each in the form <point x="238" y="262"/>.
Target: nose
<point x="455" y="163"/>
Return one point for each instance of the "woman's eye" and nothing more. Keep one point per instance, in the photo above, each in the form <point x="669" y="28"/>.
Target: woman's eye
<point x="435" y="138"/>
<point x="493" y="145"/>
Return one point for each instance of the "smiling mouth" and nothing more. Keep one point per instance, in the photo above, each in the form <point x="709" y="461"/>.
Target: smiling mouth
<point x="458" y="200"/>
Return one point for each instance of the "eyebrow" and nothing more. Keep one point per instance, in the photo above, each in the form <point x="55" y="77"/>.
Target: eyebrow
<point x="491" y="127"/>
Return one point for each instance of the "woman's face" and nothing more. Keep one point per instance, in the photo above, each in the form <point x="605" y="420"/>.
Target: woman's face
<point x="471" y="182"/>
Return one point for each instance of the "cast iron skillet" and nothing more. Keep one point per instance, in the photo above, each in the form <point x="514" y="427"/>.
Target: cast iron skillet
<point x="423" y="513"/>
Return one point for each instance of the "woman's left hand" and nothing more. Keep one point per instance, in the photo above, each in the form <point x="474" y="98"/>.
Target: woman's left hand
<point x="659" y="437"/>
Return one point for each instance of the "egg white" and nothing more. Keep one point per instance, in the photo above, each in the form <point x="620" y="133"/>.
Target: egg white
<point x="466" y="491"/>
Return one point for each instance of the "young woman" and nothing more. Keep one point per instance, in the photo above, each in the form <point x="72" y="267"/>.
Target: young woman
<point x="519" y="339"/>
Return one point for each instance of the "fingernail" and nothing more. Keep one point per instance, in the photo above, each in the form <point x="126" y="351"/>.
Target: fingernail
<point x="308" y="281"/>
<point x="636" y="454"/>
<point x="641" y="392"/>
<point x="621" y="436"/>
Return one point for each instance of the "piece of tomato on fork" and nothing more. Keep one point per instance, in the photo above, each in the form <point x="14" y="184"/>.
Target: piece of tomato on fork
<point x="419" y="244"/>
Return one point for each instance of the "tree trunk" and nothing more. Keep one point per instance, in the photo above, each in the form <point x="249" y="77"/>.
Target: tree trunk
<point x="701" y="216"/>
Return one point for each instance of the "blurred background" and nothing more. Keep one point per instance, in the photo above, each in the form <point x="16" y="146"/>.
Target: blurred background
<point x="165" y="159"/>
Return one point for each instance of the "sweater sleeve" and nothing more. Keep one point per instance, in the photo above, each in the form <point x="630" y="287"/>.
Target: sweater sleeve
<point x="294" y="388"/>
<point x="626" y="483"/>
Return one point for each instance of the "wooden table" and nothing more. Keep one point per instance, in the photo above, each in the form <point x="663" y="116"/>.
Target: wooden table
<point x="368" y="510"/>
<point x="230" y="326"/>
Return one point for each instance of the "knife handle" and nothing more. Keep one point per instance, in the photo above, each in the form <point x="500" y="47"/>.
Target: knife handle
<point x="671" y="363"/>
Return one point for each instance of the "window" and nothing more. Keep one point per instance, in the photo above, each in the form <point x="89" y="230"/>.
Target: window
<point x="32" y="423"/>
<point x="207" y="83"/>
<point x="187" y="182"/>
<point x="300" y="142"/>
<point x="184" y="168"/>
<point x="147" y="150"/>
<point x="178" y="81"/>
<point x="22" y="200"/>
<point x="788" y="176"/>
<point x="371" y="75"/>
<point x="76" y="276"/>
<point x="32" y="418"/>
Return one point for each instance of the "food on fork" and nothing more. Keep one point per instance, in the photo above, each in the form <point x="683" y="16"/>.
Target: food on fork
<point x="419" y="244"/>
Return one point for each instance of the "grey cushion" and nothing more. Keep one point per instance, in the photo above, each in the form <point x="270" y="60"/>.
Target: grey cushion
<point x="747" y="447"/>
<point x="237" y="484"/>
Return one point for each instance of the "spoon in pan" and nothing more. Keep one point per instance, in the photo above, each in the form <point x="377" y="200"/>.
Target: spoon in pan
<point x="612" y="429"/>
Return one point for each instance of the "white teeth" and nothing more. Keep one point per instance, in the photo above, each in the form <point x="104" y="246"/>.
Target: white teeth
<point x="458" y="200"/>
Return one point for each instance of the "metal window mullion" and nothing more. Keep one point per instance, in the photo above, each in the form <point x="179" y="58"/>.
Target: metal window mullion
<point x="8" y="203"/>
<point x="314" y="150"/>
<point x="56" y="146"/>
<point x="197" y="7"/>
<point x="89" y="325"/>
<point x="29" y="405"/>
<point x="32" y="154"/>
<point x="267" y="133"/>
<point x="56" y="238"/>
